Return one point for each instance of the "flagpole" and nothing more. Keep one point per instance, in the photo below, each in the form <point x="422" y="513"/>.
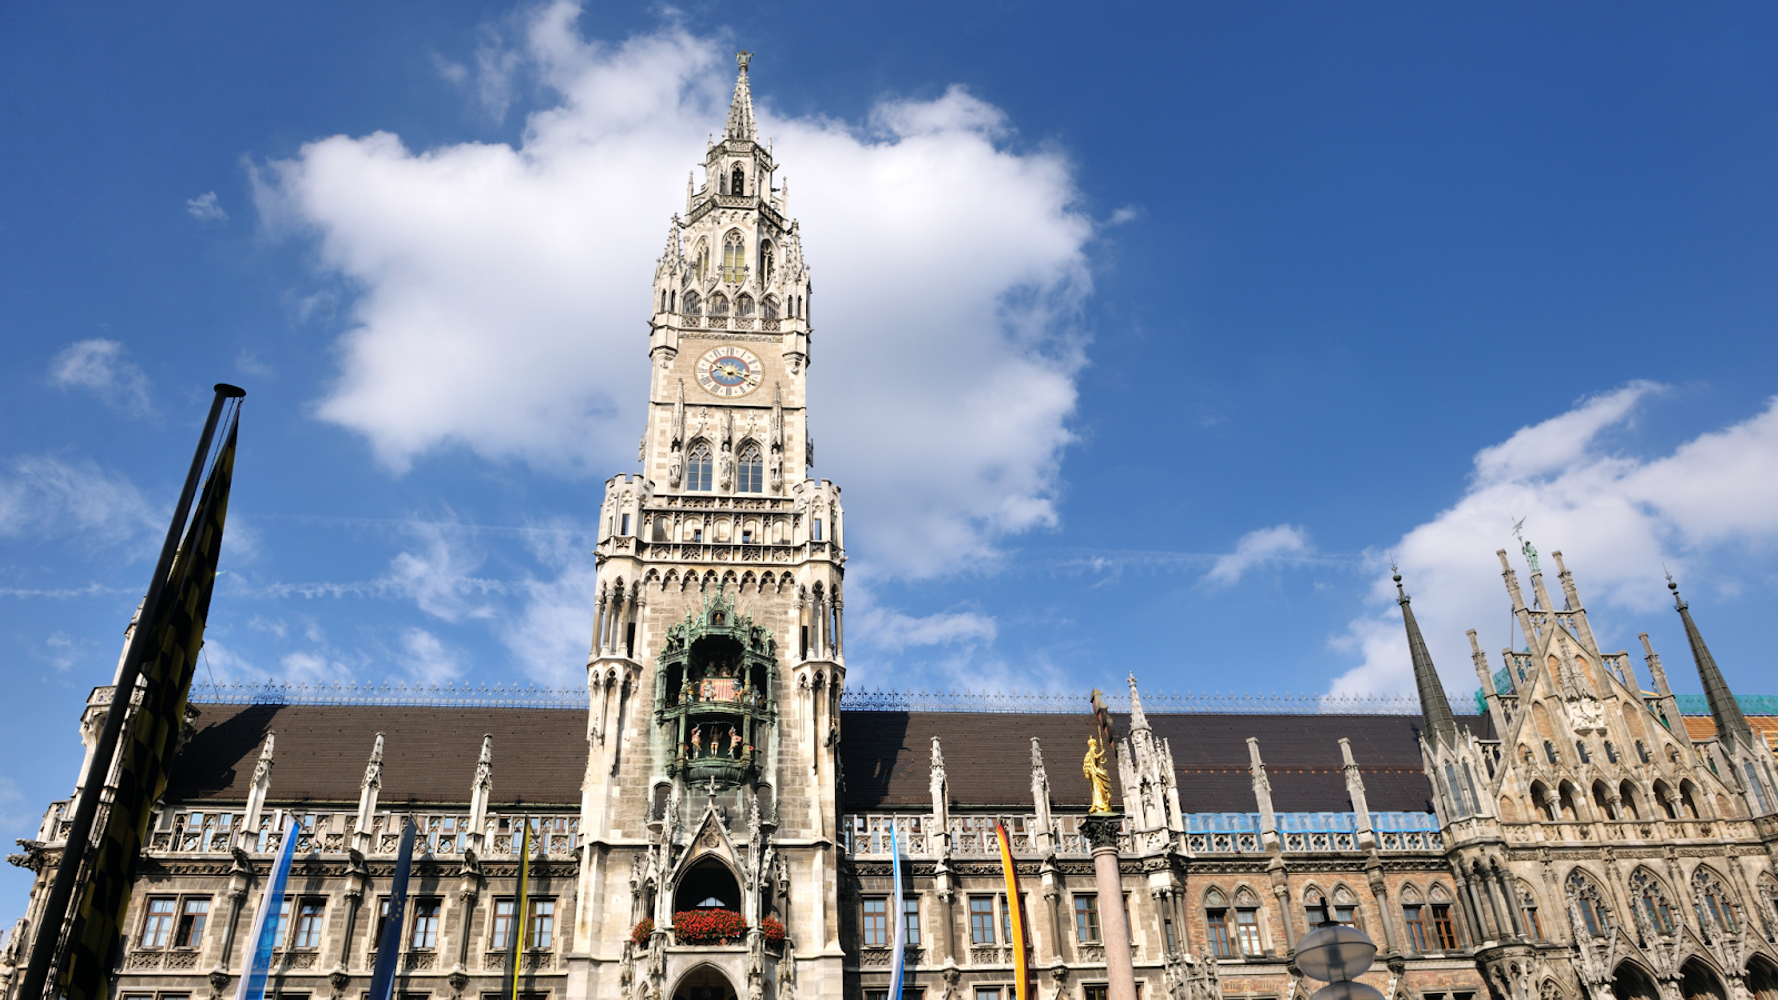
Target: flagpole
<point x="54" y="916"/>
<point x="899" y="941"/>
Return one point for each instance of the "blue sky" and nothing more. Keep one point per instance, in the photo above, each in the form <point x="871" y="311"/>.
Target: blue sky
<point x="1145" y="337"/>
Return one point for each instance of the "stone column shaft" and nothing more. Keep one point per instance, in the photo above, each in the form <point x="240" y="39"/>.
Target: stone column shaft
<point x="1102" y="832"/>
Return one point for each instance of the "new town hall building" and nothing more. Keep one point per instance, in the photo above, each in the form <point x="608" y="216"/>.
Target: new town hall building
<point x="1579" y="838"/>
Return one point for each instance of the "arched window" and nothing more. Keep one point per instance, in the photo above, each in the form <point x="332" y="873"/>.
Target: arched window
<point x="768" y="307"/>
<point x="672" y="301"/>
<point x="1540" y="800"/>
<point x="750" y="476"/>
<point x="1565" y="798"/>
<point x="744" y="305"/>
<point x="1664" y="795"/>
<point x="737" y="181"/>
<point x="697" y="467"/>
<point x="719" y="304"/>
<point x="1715" y="901"/>
<point x="693" y="307"/>
<point x="1688" y="798"/>
<point x="767" y="261"/>
<point x="663" y="300"/>
<point x="700" y="259"/>
<point x="734" y="258"/>
<point x="1580" y="750"/>
<point x="1626" y="794"/>
<point x="1647" y="893"/>
<point x="1590" y="904"/>
<point x="1528" y="903"/>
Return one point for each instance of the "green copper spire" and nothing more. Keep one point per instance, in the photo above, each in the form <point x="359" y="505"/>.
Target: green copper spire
<point x="1433" y="704"/>
<point x="1731" y="725"/>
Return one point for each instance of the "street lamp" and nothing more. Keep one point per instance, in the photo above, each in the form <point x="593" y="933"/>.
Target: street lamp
<point x="1338" y="954"/>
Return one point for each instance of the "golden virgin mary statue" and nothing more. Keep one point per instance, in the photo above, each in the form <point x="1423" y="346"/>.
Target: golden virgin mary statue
<point x="1094" y="769"/>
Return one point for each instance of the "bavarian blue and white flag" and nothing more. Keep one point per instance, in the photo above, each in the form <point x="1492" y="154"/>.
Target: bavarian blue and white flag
<point x="266" y="925"/>
<point x="898" y="918"/>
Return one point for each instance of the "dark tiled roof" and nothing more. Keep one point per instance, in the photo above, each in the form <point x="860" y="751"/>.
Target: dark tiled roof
<point x="429" y="753"/>
<point x="886" y="757"/>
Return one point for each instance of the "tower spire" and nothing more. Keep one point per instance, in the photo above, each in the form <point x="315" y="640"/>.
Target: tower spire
<point x="1433" y="704"/>
<point x="1731" y="725"/>
<point x="740" y="111"/>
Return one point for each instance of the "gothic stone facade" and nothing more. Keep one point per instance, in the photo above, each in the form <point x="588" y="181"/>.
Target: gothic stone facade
<point x="1573" y="841"/>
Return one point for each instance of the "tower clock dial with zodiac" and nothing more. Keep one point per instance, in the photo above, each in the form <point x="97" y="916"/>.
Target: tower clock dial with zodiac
<point x="729" y="371"/>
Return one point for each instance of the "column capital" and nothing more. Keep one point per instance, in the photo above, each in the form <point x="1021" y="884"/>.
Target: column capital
<point x="1101" y="830"/>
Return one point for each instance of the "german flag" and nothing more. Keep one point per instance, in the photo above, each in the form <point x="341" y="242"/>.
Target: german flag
<point x="151" y="738"/>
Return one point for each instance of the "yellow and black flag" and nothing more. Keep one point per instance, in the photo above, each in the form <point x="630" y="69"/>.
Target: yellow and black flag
<point x="145" y="753"/>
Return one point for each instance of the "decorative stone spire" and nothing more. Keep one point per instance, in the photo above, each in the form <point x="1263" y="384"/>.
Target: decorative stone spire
<point x="1137" y="719"/>
<point x="1441" y="725"/>
<point x="484" y="782"/>
<point x="740" y="111"/>
<point x="1262" y="795"/>
<point x="262" y="781"/>
<point x="940" y="796"/>
<point x="1355" y="791"/>
<point x="367" y="794"/>
<point x="1731" y="725"/>
<point x="1040" y="797"/>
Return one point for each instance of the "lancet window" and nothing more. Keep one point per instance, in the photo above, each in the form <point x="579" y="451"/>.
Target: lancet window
<point x="698" y="467"/>
<point x="1647" y="893"/>
<point x="1713" y="899"/>
<point x="767" y="260"/>
<point x="768" y="307"/>
<point x="693" y="306"/>
<point x="750" y="471"/>
<point x="744" y="305"/>
<point x="737" y="181"/>
<point x="1589" y="904"/>
<point x="734" y="258"/>
<point x="719" y="304"/>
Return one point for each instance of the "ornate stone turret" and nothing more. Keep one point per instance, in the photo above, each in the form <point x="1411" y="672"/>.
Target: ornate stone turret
<point x="479" y="789"/>
<point x="262" y="781"/>
<point x="1145" y="767"/>
<point x="367" y="795"/>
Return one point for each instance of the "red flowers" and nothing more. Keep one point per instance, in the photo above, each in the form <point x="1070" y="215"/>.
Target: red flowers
<point x="643" y="931"/>
<point x="774" y="931"/>
<point x="708" y="926"/>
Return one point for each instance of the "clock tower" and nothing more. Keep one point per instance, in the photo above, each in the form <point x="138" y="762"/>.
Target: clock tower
<point x="717" y="658"/>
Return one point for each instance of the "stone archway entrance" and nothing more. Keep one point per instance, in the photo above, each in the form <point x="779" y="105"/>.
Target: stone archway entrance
<point x="1762" y="979"/>
<point x="704" y="983"/>
<point x="1631" y="983"/>
<point x="1697" y="982"/>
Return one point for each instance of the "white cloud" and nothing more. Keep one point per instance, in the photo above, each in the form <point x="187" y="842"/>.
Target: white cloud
<point x="100" y="365"/>
<point x="1266" y="546"/>
<point x="205" y="209"/>
<point x="50" y="497"/>
<point x="502" y="286"/>
<point x="885" y="628"/>
<point x="64" y="652"/>
<point x="1615" y="517"/>
<point x="426" y="660"/>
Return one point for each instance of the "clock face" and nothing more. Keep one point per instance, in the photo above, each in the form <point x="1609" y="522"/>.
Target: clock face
<point x="729" y="371"/>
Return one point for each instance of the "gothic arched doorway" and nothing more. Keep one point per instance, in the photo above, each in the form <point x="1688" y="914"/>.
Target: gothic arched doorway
<point x="1697" y="982"/>
<point x="704" y="983"/>
<point x="1631" y="983"/>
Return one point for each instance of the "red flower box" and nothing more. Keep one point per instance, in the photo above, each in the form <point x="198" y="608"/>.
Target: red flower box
<point x="643" y="930"/>
<point x="708" y="926"/>
<point x="774" y="932"/>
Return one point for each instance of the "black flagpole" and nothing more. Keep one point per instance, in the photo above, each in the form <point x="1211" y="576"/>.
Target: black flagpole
<point x="54" y="915"/>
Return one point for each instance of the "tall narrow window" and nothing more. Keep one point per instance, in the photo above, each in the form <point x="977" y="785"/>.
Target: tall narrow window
<point x="279" y="922"/>
<point x="502" y="936"/>
<point x="425" y="932"/>
<point x="1216" y="926"/>
<point x="1414" y="916"/>
<point x="874" y="925"/>
<point x="309" y="914"/>
<point x="910" y="916"/>
<point x="540" y="927"/>
<point x="159" y="925"/>
<point x="816" y="536"/>
<point x="734" y="259"/>
<point x="1086" y="919"/>
<point x="190" y="933"/>
<point x="737" y="181"/>
<point x="1247" y="929"/>
<point x="981" y="920"/>
<point x="751" y="473"/>
<point x="768" y="307"/>
<point x="767" y="264"/>
<point x="697" y="468"/>
<point x="1443" y="927"/>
